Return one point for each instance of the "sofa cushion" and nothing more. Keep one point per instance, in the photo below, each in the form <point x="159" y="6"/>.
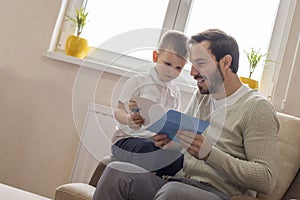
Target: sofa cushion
<point x="293" y="192"/>
<point x="289" y="151"/>
<point x="74" y="191"/>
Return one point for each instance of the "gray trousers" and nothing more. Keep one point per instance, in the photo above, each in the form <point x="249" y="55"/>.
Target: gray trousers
<point x="125" y="181"/>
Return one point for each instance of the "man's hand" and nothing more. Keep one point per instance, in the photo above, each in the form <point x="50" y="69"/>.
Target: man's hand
<point x="162" y="141"/>
<point x="195" y="144"/>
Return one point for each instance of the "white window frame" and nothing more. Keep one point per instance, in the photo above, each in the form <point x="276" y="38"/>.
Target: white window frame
<point x="176" y="18"/>
<point x="277" y="46"/>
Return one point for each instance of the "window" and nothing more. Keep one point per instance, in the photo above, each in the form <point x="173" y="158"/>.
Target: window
<point x="250" y="22"/>
<point x="108" y="20"/>
<point x="122" y="16"/>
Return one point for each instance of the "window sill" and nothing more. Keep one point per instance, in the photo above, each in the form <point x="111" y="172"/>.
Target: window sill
<point x="61" y="56"/>
<point x="185" y="82"/>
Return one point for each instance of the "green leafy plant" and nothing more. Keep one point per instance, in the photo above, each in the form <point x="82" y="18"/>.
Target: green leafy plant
<point x="254" y="57"/>
<point x="79" y="20"/>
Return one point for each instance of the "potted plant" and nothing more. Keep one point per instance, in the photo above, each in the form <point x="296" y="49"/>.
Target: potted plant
<point x="76" y="45"/>
<point x="254" y="58"/>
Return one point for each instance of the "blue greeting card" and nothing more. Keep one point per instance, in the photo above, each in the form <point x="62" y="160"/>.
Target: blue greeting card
<point x="172" y="121"/>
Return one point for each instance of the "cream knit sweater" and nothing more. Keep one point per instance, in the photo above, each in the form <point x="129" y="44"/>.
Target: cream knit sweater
<point x="244" y="157"/>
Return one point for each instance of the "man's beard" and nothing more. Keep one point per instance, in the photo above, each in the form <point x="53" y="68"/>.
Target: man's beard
<point x="216" y="81"/>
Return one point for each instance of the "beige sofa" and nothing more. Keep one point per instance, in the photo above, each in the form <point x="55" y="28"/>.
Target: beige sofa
<point x="288" y="183"/>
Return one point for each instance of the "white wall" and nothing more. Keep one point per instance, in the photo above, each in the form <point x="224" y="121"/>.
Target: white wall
<point x="38" y="137"/>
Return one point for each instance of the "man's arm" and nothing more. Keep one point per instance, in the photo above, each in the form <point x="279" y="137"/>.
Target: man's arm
<point x="259" y="171"/>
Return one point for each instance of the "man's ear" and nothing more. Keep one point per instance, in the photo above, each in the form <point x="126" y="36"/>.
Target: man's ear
<point x="227" y="59"/>
<point x="155" y="56"/>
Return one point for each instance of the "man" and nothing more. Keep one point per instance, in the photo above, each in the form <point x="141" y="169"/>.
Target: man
<point x="236" y="155"/>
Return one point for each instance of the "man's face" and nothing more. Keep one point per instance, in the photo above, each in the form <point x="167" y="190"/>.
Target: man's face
<point x="206" y="70"/>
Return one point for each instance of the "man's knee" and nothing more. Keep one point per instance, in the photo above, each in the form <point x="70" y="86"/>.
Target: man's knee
<point x="171" y="190"/>
<point x="124" y="167"/>
<point x="178" y="190"/>
<point x="119" y="174"/>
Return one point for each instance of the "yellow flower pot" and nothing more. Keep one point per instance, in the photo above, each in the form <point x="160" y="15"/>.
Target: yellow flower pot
<point x="250" y="82"/>
<point x="76" y="46"/>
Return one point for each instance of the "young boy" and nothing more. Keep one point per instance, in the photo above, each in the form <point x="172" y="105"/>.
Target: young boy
<point x="132" y="143"/>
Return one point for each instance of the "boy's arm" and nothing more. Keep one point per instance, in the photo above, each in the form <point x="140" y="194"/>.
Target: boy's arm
<point x="121" y="115"/>
<point x="125" y="118"/>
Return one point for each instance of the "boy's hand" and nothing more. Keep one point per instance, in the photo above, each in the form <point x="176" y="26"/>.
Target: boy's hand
<point x="135" y="121"/>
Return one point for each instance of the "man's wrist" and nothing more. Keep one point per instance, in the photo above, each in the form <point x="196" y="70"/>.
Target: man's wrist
<point x="205" y="150"/>
<point x="207" y="156"/>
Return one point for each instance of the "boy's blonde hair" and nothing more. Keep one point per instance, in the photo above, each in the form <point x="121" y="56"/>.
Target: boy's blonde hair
<point x="175" y="42"/>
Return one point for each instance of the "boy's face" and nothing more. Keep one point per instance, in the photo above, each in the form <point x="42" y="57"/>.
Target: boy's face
<point x="168" y="65"/>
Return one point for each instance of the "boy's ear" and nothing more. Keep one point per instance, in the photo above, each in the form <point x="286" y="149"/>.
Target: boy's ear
<point x="155" y="56"/>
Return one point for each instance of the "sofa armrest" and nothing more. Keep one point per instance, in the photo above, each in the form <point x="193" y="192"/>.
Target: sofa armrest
<point x="99" y="170"/>
<point x="74" y="191"/>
